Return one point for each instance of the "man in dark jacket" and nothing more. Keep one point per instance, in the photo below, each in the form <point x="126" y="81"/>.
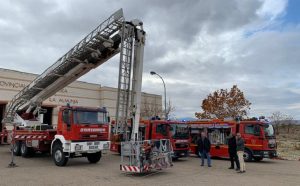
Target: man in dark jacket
<point x="232" y="152"/>
<point x="204" y="149"/>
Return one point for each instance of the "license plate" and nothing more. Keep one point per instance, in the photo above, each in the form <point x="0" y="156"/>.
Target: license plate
<point x="78" y="147"/>
<point x="93" y="147"/>
<point x="272" y="141"/>
<point x="105" y="146"/>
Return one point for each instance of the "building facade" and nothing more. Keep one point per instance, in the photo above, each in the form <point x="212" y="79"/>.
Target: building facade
<point x="77" y="93"/>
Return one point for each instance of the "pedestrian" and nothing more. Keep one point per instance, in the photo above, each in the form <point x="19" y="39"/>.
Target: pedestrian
<point x="204" y="149"/>
<point x="240" y="147"/>
<point x="233" y="152"/>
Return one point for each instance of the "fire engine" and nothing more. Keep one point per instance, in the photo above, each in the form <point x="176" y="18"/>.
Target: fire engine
<point x="259" y="136"/>
<point x="177" y="132"/>
<point x="80" y="132"/>
<point x="84" y="131"/>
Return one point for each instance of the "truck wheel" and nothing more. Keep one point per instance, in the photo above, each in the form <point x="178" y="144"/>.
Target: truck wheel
<point x="258" y="158"/>
<point x="25" y="151"/>
<point x="175" y="158"/>
<point x="247" y="155"/>
<point x="198" y="154"/>
<point x="94" y="157"/>
<point x="17" y="148"/>
<point x="58" y="155"/>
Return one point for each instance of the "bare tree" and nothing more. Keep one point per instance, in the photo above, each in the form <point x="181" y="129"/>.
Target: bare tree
<point x="289" y="122"/>
<point x="170" y="108"/>
<point x="278" y="118"/>
<point x="150" y="109"/>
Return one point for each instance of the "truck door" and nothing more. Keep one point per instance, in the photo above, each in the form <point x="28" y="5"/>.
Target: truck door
<point x="66" y="122"/>
<point x="253" y="136"/>
<point x="142" y="133"/>
<point x="160" y="131"/>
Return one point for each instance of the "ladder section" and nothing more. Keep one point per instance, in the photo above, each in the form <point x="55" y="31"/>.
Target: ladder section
<point x="93" y="50"/>
<point x="124" y="79"/>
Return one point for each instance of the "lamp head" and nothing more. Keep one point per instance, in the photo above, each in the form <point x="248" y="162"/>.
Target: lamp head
<point x="152" y="73"/>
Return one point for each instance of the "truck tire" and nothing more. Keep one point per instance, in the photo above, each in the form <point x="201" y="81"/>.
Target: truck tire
<point x="25" y="151"/>
<point x="58" y="155"/>
<point x="17" y="148"/>
<point x="247" y="155"/>
<point x="258" y="158"/>
<point x="94" y="157"/>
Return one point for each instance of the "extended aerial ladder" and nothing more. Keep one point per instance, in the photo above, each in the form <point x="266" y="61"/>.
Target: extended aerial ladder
<point x="93" y="50"/>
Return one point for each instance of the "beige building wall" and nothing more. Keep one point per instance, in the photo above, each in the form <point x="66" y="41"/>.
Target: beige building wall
<point x="77" y="93"/>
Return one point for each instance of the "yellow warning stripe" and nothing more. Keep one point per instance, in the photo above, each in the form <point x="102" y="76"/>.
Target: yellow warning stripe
<point x="253" y="145"/>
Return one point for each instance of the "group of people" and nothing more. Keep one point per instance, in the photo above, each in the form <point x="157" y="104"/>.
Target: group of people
<point x="236" y="146"/>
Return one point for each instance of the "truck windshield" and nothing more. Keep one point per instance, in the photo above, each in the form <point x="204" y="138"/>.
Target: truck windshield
<point x="179" y="131"/>
<point x="89" y="117"/>
<point x="269" y="130"/>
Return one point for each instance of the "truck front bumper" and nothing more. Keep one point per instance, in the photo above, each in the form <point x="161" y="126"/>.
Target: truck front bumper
<point x="86" y="147"/>
<point x="180" y="153"/>
<point x="265" y="153"/>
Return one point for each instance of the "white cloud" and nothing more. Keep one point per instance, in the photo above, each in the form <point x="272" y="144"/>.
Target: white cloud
<point x="272" y="9"/>
<point x="197" y="46"/>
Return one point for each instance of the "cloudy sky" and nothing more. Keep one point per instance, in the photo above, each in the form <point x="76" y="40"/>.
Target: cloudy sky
<point x="198" y="46"/>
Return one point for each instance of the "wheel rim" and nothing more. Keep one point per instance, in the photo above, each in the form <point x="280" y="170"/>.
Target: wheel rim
<point x="15" y="148"/>
<point x="58" y="155"/>
<point x="23" y="147"/>
<point x="246" y="155"/>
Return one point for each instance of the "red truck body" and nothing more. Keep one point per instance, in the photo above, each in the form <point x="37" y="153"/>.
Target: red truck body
<point x="3" y="135"/>
<point x="259" y="136"/>
<point x="177" y="132"/>
<point x="80" y="132"/>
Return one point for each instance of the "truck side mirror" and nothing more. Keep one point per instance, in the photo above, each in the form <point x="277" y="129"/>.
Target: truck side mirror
<point x="108" y="119"/>
<point x="66" y="117"/>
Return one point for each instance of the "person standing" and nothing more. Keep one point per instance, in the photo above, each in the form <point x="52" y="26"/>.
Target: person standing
<point x="240" y="147"/>
<point x="233" y="152"/>
<point x="204" y="149"/>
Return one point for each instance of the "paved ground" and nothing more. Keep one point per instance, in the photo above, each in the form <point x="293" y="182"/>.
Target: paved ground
<point x="42" y="171"/>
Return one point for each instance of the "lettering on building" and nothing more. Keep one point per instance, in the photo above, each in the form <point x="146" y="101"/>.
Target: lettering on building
<point x="63" y="101"/>
<point x="9" y="84"/>
<point x="19" y="85"/>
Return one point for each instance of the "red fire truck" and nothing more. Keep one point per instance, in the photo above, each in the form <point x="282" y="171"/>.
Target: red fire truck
<point x="177" y="132"/>
<point x="80" y="132"/>
<point x="259" y="136"/>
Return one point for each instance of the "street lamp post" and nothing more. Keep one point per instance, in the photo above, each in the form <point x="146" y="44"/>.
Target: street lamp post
<point x="154" y="73"/>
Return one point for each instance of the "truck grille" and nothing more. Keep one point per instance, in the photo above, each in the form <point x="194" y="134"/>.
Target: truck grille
<point x="272" y="146"/>
<point x="181" y="145"/>
<point x="91" y="136"/>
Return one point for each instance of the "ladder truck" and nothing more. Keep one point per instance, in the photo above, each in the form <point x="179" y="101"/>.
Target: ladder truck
<point x="80" y="131"/>
<point x="137" y="155"/>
